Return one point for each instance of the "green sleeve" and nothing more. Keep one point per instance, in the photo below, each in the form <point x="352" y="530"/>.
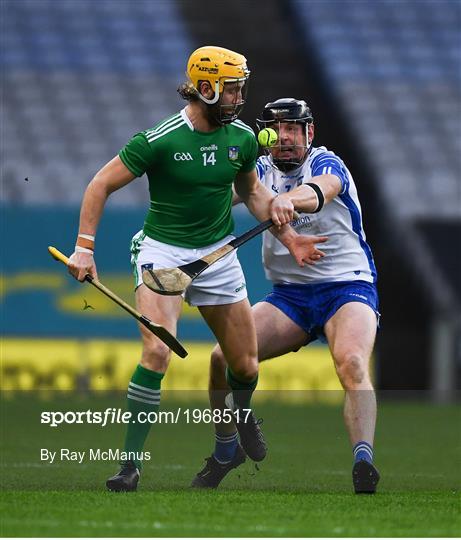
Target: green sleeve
<point x="137" y="155"/>
<point x="250" y="155"/>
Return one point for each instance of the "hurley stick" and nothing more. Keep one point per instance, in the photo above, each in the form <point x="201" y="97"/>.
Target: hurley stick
<point x="161" y="332"/>
<point x="173" y="281"/>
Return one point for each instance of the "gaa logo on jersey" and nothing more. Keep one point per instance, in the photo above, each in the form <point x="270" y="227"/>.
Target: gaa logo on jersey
<point x="183" y="156"/>
<point x="233" y="152"/>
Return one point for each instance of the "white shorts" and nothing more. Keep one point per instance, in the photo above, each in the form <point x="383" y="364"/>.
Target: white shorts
<point x="222" y="283"/>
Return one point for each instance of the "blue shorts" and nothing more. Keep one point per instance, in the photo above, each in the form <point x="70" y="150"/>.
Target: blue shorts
<point x="311" y="306"/>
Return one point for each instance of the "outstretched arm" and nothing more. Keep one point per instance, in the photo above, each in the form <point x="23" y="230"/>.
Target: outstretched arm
<point x="308" y="199"/>
<point x="110" y="178"/>
<point x="302" y="247"/>
<point x="258" y="199"/>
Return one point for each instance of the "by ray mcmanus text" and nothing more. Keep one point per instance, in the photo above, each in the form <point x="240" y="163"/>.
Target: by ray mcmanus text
<point x="92" y="454"/>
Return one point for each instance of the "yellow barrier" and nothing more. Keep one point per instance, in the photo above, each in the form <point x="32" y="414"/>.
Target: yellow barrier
<point x="70" y="300"/>
<point x="32" y="364"/>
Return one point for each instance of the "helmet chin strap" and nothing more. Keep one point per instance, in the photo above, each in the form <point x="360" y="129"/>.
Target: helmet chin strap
<point x="214" y="99"/>
<point x="216" y="113"/>
<point x="212" y="113"/>
<point x="288" y="166"/>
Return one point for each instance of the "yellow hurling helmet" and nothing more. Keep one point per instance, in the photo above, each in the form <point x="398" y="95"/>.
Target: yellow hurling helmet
<point x="217" y="66"/>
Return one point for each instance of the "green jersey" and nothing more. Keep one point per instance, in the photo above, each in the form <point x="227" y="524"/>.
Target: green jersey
<point x="190" y="178"/>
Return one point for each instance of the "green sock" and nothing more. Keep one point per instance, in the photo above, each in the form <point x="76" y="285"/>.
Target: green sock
<point x="241" y="391"/>
<point x="143" y="395"/>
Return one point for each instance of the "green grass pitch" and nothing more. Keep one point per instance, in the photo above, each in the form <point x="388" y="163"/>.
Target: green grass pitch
<point x="303" y="488"/>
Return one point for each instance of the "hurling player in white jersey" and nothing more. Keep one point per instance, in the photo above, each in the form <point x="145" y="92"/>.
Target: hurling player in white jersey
<point x="334" y="298"/>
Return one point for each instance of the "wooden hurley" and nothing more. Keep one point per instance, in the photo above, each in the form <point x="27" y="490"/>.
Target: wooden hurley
<point x="174" y="281"/>
<point x="161" y="332"/>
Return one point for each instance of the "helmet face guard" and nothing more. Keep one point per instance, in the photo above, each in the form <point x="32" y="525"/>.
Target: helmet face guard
<point x="287" y="111"/>
<point x="230" y="102"/>
<point x="224" y="70"/>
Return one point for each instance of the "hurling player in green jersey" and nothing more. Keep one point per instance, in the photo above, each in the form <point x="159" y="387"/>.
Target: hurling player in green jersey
<point x="192" y="160"/>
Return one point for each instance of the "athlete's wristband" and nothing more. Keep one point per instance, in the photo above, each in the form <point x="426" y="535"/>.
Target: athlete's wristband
<point x="80" y="249"/>
<point x="85" y="241"/>
<point x="320" y="196"/>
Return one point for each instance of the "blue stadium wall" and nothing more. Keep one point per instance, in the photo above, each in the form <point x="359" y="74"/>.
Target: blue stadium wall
<point x="40" y="299"/>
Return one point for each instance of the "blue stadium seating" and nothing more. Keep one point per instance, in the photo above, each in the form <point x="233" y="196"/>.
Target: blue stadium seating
<point x="79" y="79"/>
<point x="395" y="66"/>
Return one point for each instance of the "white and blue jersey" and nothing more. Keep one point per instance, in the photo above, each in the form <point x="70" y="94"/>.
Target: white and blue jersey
<point x="347" y="254"/>
<point x="311" y="295"/>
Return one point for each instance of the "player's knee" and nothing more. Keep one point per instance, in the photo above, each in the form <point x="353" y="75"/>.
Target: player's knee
<point x="155" y="355"/>
<point x="246" y="369"/>
<point x="352" y="370"/>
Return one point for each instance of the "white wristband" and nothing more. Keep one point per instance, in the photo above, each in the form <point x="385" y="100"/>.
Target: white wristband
<point x="79" y="249"/>
<point x="87" y="236"/>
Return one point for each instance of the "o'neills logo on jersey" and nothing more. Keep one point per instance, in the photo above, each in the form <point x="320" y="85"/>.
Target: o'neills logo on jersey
<point x="211" y="148"/>
<point x="183" y="156"/>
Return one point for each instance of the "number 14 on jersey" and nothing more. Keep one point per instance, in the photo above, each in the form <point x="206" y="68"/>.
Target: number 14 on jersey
<point x="209" y="158"/>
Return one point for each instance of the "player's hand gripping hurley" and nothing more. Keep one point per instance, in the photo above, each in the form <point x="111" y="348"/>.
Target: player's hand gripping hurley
<point x="174" y="281"/>
<point x="161" y="332"/>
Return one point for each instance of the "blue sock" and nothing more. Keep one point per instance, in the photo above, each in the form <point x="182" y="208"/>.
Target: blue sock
<point x="363" y="451"/>
<point x="225" y="447"/>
